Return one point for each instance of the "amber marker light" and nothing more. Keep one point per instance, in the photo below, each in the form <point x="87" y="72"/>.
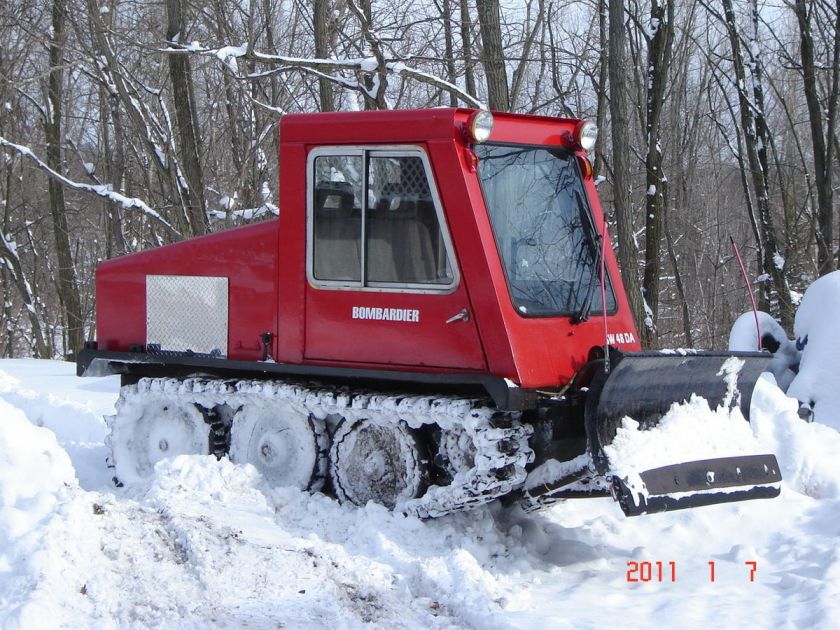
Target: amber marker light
<point x="585" y="167"/>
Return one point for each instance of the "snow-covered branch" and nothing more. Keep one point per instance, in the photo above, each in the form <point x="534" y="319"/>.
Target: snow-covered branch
<point x="230" y="55"/>
<point x="130" y="203"/>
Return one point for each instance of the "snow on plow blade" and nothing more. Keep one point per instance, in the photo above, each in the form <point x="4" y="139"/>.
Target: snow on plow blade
<point x="644" y="386"/>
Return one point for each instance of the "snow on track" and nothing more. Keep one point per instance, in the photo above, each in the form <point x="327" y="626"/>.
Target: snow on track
<point x="205" y="543"/>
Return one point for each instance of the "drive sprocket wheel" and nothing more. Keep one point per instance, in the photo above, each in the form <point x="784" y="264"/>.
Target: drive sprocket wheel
<point x="144" y="434"/>
<point x="377" y="461"/>
<point x="279" y="438"/>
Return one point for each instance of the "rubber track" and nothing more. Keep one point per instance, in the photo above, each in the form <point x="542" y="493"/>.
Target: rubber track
<point x="500" y="438"/>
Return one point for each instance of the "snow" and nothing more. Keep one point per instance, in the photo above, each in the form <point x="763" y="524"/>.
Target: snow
<point x="368" y="64"/>
<point x="688" y="432"/>
<point x="815" y="329"/>
<point x="743" y="337"/>
<point x="229" y="54"/>
<point x="204" y="543"/>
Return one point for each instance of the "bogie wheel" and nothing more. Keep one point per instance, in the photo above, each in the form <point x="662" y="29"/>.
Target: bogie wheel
<point x="376" y="461"/>
<point x="141" y="436"/>
<point x="280" y="439"/>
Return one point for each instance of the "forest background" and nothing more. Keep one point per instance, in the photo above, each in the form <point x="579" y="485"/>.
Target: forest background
<point x="129" y="124"/>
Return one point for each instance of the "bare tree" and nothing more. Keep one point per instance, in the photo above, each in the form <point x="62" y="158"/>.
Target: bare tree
<point x="620" y="128"/>
<point x="68" y="289"/>
<point x="492" y="54"/>
<point x="466" y="47"/>
<point x="822" y="130"/>
<point x="321" y="21"/>
<point x="180" y="74"/>
<point x="755" y="136"/>
<point x="445" y="10"/>
<point x="660" y="38"/>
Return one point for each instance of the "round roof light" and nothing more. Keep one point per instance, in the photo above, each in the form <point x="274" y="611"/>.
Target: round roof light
<point x="481" y="126"/>
<point x="587" y="134"/>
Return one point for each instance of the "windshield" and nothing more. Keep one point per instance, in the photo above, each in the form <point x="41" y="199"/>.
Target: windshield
<point x="543" y="230"/>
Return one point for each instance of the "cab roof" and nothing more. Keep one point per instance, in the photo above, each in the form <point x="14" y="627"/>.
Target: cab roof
<point x="418" y="125"/>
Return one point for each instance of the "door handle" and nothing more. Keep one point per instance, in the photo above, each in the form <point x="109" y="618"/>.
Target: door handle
<point x="463" y="315"/>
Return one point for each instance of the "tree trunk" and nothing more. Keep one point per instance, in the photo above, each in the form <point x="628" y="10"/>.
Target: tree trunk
<point x="678" y="283"/>
<point x="321" y="14"/>
<point x="180" y="74"/>
<point x="492" y="54"/>
<point x="448" y="51"/>
<point x="68" y="289"/>
<point x="518" y="77"/>
<point x="658" y="63"/>
<point x="15" y="270"/>
<point x="618" y="71"/>
<point x="822" y="150"/>
<point x="603" y="69"/>
<point x="375" y="87"/>
<point x="114" y="148"/>
<point x="466" y="48"/>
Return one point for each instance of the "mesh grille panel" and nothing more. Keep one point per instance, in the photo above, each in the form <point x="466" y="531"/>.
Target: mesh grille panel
<point x="187" y="313"/>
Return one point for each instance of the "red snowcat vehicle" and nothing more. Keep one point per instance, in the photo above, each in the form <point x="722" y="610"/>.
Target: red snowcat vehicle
<point x="434" y="321"/>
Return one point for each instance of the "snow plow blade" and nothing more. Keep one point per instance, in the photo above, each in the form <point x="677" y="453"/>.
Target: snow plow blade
<point x="703" y="482"/>
<point x="644" y="386"/>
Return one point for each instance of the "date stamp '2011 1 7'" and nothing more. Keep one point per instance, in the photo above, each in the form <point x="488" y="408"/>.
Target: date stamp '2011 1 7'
<point x="658" y="571"/>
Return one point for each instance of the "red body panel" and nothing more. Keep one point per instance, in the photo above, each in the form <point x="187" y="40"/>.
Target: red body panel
<point x="269" y="291"/>
<point x="246" y="256"/>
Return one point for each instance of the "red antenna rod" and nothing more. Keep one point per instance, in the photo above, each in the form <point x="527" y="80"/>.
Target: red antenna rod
<point x="604" y="296"/>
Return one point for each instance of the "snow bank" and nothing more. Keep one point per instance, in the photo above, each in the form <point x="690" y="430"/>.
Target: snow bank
<point x="808" y="453"/>
<point x="33" y="470"/>
<point x="35" y="475"/>
<point x="56" y="410"/>
<point x="816" y="327"/>
<point x="51" y="395"/>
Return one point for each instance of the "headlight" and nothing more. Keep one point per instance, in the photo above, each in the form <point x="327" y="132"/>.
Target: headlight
<point x="587" y="134"/>
<point x="481" y="126"/>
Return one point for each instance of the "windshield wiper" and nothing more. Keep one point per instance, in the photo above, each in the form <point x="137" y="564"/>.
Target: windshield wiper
<point x="593" y="240"/>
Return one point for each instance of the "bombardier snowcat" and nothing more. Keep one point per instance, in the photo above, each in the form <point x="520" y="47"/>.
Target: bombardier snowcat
<point x="434" y="321"/>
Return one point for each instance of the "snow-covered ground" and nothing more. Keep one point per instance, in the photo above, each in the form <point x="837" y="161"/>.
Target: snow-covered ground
<point x="203" y="543"/>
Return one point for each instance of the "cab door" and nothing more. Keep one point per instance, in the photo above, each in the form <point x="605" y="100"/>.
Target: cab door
<point x="383" y="281"/>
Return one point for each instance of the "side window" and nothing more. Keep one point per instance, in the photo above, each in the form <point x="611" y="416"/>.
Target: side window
<point x="403" y="239"/>
<point x="337" y="220"/>
<point x="374" y="222"/>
